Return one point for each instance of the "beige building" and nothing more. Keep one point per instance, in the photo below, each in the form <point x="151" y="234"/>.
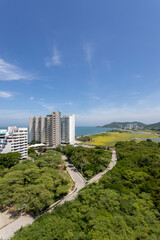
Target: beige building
<point x="46" y="129"/>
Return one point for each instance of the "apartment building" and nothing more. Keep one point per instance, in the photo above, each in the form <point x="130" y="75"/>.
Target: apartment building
<point x="68" y="129"/>
<point x="14" y="139"/>
<point x="46" y="129"/>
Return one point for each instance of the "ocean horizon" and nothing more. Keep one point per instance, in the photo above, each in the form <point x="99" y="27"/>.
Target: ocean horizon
<point x="81" y="130"/>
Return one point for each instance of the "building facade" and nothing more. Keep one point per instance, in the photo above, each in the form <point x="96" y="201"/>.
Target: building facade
<point x="68" y="129"/>
<point x="14" y="139"/>
<point x="46" y="129"/>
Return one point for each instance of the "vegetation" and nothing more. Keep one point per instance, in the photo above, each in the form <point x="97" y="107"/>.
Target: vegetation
<point x="110" y="138"/>
<point x="88" y="161"/>
<point x="85" y="138"/>
<point x="34" y="142"/>
<point x="124" y="205"/>
<point x="154" y="126"/>
<point x="34" y="185"/>
<point x="7" y="160"/>
<point x="123" y="124"/>
<point x="31" y="150"/>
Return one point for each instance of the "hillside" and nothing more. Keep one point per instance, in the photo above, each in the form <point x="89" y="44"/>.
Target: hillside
<point x="153" y="126"/>
<point x="123" y="124"/>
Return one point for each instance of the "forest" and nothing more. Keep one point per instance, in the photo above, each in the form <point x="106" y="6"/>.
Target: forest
<point x="8" y="160"/>
<point x="84" y="138"/>
<point x="89" y="161"/>
<point x="123" y="205"/>
<point x="34" y="185"/>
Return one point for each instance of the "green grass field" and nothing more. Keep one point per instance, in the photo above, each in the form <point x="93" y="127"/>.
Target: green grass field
<point x="110" y="138"/>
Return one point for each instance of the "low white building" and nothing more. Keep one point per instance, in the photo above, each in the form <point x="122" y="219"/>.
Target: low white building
<point x="68" y="129"/>
<point x="14" y="139"/>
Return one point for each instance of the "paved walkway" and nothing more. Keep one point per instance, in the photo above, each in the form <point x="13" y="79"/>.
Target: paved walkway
<point x="79" y="180"/>
<point x="110" y="166"/>
<point x="8" y="231"/>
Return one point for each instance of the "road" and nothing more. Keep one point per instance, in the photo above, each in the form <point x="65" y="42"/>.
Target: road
<point x="8" y="231"/>
<point x="110" y="166"/>
<point x="79" y="180"/>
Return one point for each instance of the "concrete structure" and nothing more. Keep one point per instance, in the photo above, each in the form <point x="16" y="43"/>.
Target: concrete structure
<point x="37" y="129"/>
<point x="132" y="126"/>
<point x="46" y="130"/>
<point x="68" y="129"/>
<point x="14" y="140"/>
<point x="135" y="126"/>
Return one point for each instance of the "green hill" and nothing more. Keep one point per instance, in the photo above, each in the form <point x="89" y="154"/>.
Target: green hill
<point x="153" y="126"/>
<point x="122" y="124"/>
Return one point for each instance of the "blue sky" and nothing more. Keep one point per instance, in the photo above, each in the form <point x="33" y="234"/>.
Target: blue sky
<point x="98" y="59"/>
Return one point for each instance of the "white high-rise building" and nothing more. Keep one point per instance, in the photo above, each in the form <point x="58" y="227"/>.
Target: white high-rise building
<point x="14" y="140"/>
<point x="46" y="129"/>
<point x="68" y="129"/>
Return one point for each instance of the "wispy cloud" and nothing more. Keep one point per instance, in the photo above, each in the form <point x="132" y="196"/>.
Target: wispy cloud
<point x="4" y="94"/>
<point x="101" y="116"/>
<point x="135" y="93"/>
<point x="31" y="98"/>
<point x="55" y="60"/>
<point x="14" y="117"/>
<point x="88" y="49"/>
<point x="49" y="105"/>
<point x="43" y="104"/>
<point x="94" y="97"/>
<point x="9" y="72"/>
<point x="138" y="76"/>
<point x="49" y="86"/>
<point x="68" y="103"/>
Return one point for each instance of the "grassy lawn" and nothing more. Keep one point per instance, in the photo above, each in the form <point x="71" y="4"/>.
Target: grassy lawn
<point x="110" y="138"/>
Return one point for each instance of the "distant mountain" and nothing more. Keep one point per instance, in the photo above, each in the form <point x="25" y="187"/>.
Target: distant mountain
<point x="122" y="124"/>
<point x="153" y="126"/>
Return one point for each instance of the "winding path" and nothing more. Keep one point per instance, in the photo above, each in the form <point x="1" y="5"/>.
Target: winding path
<point x="8" y="231"/>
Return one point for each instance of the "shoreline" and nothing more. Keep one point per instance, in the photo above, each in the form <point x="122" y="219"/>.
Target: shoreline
<point x="90" y="134"/>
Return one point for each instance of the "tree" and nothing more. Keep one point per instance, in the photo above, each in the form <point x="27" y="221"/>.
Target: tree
<point x="9" y="159"/>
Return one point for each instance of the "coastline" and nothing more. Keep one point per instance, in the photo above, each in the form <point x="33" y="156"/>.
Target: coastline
<point x="87" y="131"/>
<point x="90" y="134"/>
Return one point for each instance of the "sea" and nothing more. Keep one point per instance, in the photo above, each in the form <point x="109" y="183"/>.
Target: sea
<point x="82" y="131"/>
<point x="90" y="130"/>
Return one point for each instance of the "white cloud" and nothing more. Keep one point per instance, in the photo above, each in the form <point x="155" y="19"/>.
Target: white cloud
<point x="101" y="116"/>
<point x="68" y="103"/>
<point x="94" y="97"/>
<point x="45" y="105"/>
<point x="50" y="106"/>
<point x="55" y="60"/>
<point x="10" y="72"/>
<point x="88" y="52"/>
<point x="4" y="94"/>
<point x="31" y="98"/>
